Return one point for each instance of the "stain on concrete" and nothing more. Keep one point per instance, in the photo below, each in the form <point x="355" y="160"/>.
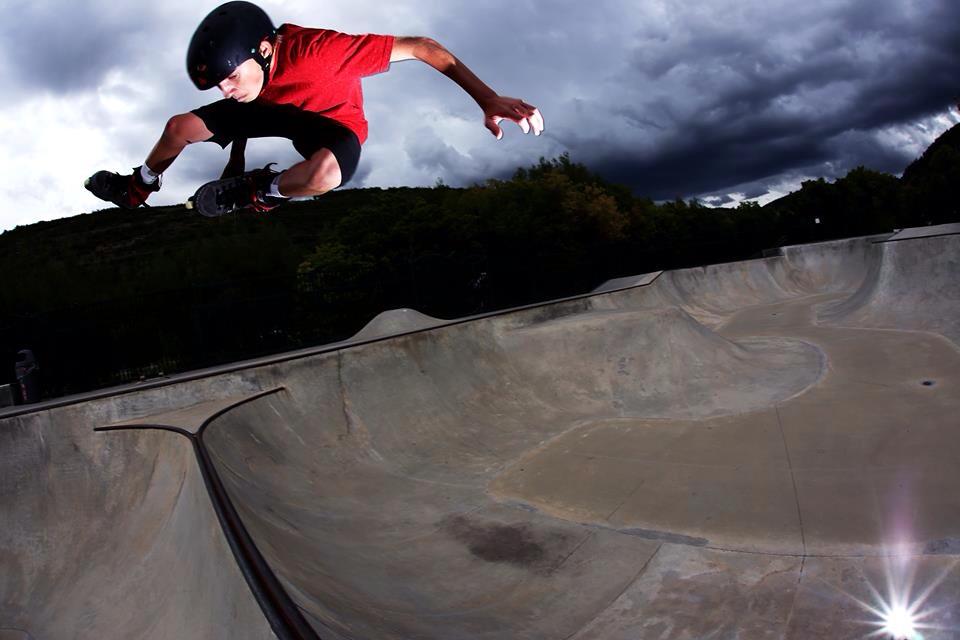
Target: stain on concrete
<point x="943" y="547"/>
<point x="517" y="544"/>
<point x="665" y="536"/>
<point x="557" y="311"/>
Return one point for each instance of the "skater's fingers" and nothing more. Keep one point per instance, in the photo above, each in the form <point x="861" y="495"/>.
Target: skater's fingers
<point x="531" y="118"/>
<point x="492" y="125"/>
<point x="536" y="120"/>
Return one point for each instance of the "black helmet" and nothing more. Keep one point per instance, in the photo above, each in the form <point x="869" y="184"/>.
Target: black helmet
<point x="229" y="36"/>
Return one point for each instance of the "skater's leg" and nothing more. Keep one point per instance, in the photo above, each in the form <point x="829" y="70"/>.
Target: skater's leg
<point x="317" y="174"/>
<point x="314" y="176"/>
<point x="330" y="150"/>
<point x="180" y="131"/>
<point x="131" y="190"/>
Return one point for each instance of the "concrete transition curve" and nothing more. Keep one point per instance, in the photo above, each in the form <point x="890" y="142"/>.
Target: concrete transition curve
<point x="763" y="449"/>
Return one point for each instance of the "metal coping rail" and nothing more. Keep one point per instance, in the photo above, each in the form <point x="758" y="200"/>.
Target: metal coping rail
<point x="282" y="613"/>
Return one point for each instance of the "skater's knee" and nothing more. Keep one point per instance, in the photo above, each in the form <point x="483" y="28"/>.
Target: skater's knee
<point x="188" y="128"/>
<point x="326" y="174"/>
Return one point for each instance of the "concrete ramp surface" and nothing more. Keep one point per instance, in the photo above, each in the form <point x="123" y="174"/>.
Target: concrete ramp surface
<point x="763" y="449"/>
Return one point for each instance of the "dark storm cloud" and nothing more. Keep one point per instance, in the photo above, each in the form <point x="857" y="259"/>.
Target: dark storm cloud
<point x="66" y="47"/>
<point x="430" y="152"/>
<point x="732" y="109"/>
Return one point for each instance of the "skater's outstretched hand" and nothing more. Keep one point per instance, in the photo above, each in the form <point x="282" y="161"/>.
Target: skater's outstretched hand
<point x="495" y="108"/>
<point x="500" y="108"/>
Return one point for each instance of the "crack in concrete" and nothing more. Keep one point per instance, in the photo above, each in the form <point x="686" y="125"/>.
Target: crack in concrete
<point x="614" y="600"/>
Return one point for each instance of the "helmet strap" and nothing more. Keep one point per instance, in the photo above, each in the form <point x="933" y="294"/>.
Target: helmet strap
<point x="265" y="65"/>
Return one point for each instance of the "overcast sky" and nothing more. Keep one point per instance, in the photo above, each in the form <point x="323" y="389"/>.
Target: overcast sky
<point x="717" y="99"/>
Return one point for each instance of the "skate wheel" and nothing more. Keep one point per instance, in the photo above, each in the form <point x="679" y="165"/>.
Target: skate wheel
<point x="189" y="204"/>
<point x="86" y="183"/>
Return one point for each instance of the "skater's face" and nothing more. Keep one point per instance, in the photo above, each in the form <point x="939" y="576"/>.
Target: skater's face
<point x="244" y="84"/>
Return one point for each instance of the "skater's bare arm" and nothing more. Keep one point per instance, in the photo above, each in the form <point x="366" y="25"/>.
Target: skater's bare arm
<point x="495" y="107"/>
<point x="180" y="131"/>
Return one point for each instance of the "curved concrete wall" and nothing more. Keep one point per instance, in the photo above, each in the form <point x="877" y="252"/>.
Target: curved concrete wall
<point x="892" y="296"/>
<point x="112" y="535"/>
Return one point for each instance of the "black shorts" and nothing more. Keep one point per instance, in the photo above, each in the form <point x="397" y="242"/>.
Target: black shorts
<point x="309" y="131"/>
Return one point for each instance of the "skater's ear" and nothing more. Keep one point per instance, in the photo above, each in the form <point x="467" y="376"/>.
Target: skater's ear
<point x="266" y="48"/>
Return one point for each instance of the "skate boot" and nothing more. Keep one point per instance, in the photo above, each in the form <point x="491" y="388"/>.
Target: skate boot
<point x="226" y="195"/>
<point x="128" y="192"/>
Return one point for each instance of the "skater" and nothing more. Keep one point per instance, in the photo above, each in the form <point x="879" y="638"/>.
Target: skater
<point x="291" y="82"/>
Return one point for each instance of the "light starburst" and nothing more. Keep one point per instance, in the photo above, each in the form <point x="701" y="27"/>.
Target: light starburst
<point x="904" y="612"/>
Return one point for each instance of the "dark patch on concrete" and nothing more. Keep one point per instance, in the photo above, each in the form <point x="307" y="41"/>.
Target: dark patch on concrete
<point x="943" y="547"/>
<point x="928" y="383"/>
<point x="518" y="544"/>
<point x="664" y="536"/>
<point x="523" y="506"/>
<point x="561" y="310"/>
<point x="647" y="534"/>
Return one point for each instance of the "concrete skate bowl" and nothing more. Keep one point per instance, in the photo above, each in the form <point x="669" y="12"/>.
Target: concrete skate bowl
<point x="752" y="450"/>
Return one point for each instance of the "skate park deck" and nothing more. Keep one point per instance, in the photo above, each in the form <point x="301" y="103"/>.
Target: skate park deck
<point x="761" y="449"/>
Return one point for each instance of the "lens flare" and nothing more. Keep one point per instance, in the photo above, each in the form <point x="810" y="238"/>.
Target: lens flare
<point x="903" y="604"/>
<point x="899" y="623"/>
<point x="905" y="611"/>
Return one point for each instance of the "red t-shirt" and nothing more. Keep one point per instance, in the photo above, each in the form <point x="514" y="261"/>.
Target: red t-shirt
<point x="319" y="70"/>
